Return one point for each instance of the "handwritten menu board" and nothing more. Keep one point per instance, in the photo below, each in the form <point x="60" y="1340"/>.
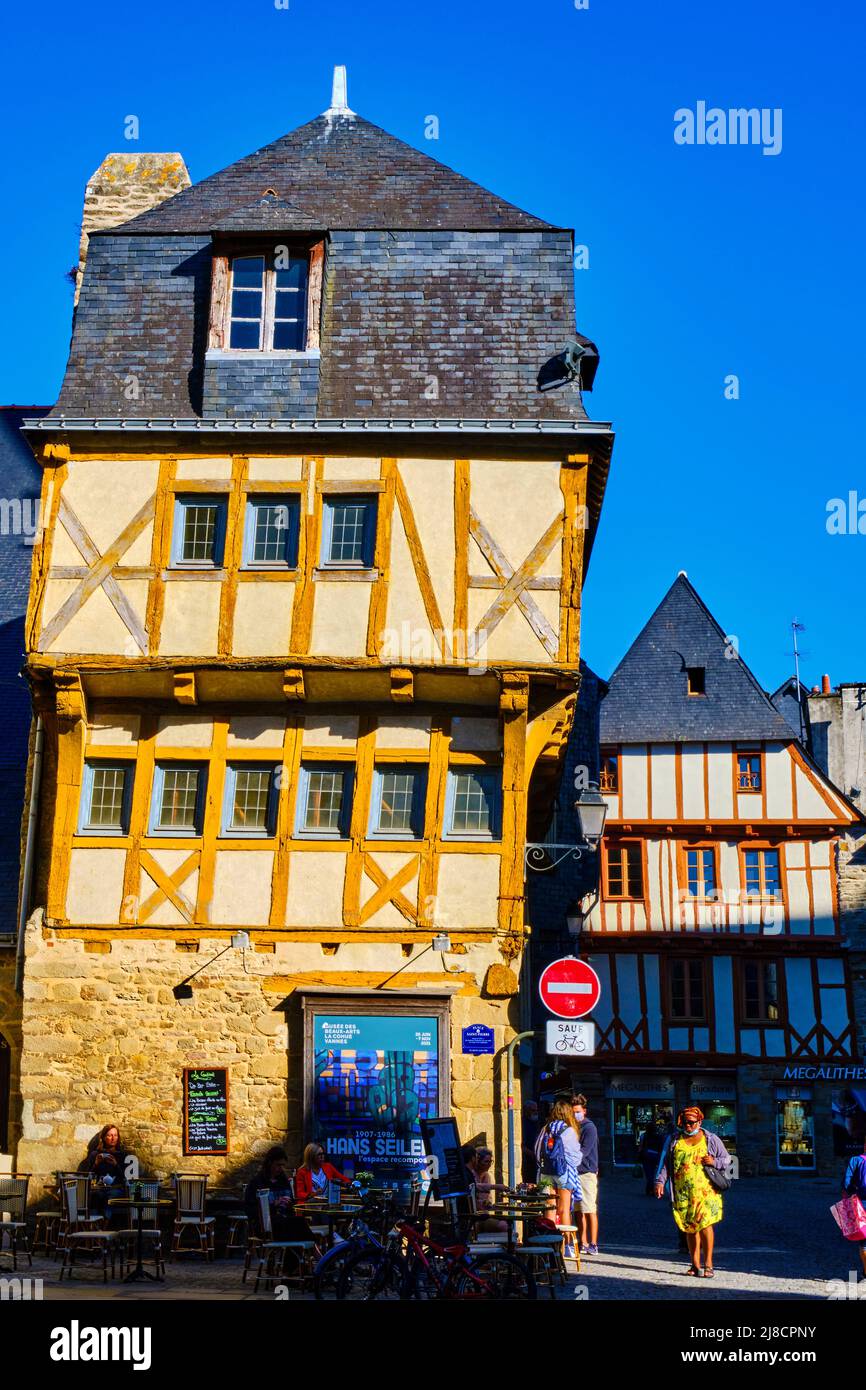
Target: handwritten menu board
<point x="205" y="1110"/>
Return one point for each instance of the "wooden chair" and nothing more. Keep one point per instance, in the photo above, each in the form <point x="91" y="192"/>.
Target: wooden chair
<point x="151" y="1232"/>
<point x="482" y="1242"/>
<point x="191" y="1194"/>
<point x="90" y="1239"/>
<point x="569" y="1236"/>
<point x="272" y="1253"/>
<point x="13" y="1215"/>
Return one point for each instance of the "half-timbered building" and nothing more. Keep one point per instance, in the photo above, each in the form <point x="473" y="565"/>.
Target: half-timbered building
<point x="716" y="931"/>
<point x="319" y="494"/>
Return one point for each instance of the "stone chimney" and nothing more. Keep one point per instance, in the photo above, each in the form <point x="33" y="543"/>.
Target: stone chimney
<point x="123" y="186"/>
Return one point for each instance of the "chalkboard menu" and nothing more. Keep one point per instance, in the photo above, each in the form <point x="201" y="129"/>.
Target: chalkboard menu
<point x="205" y="1110"/>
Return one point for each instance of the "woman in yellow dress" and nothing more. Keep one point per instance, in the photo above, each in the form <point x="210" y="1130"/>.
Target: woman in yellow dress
<point x="697" y="1204"/>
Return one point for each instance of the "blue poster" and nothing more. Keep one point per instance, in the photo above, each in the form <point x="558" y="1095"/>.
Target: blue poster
<point x="376" y="1078"/>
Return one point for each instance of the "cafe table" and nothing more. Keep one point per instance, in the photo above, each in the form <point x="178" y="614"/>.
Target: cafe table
<point x="139" y="1205"/>
<point x="314" y="1211"/>
<point x="512" y="1214"/>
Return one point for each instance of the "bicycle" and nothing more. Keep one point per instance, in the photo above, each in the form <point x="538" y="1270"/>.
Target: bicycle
<point x="360" y="1238"/>
<point x="429" y="1269"/>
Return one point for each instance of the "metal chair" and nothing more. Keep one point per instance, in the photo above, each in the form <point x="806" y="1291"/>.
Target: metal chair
<point x="90" y="1239"/>
<point x="82" y="1182"/>
<point x="151" y="1231"/>
<point x="237" y="1237"/>
<point x="272" y="1253"/>
<point x="191" y="1194"/>
<point x="13" y="1215"/>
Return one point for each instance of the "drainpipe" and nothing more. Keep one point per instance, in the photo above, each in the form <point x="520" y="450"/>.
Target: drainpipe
<point x="29" y="854"/>
<point x="515" y="1042"/>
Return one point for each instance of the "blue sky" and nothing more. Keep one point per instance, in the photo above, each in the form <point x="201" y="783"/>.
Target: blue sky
<point x="704" y="261"/>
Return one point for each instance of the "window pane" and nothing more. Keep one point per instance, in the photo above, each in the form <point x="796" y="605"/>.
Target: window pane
<point x="248" y="272"/>
<point x="709" y="867"/>
<point x="749" y="767"/>
<point x="324" y="805"/>
<point x="678" y="988"/>
<point x="474" y="800"/>
<point x="199" y="531"/>
<point x="772" y="887"/>
<point x="289" y="335"/>
<point x="245" y="334"/>
<point x="247" y="304"/>
<point x="753" y="872"/>
<point x="771" y="992"/>
<point x="348" y="528"/>
<point x="106" y="797"/>
<point x="179" y="798"/>
<point x="294" y="275"/>
<point x="693" y="875"/>
<point x="696" y="991"/>
<point x="251" y="798"/>
<point x="614" y="873"/>
<point x="272" y="533"/>
<point x="398" y="799"/>
<point x="634" y="864"/>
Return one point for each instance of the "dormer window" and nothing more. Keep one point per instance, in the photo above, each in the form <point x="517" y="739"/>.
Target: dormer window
<point x="696" y="677"/>
<point x="268" y="309"/>
<point x="266" y="299"/>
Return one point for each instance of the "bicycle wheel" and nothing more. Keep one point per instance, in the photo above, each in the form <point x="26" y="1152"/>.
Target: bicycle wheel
<point x="372" y="1276"/>
<point x="326" y="1275"/>
<point x="497" y="1277"/>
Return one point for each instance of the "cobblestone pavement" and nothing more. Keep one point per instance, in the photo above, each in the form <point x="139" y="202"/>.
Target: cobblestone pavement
<point x="777" y="1241"/>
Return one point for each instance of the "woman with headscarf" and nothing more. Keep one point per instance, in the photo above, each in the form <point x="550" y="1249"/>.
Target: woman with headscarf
<point x="686" y="1163"/>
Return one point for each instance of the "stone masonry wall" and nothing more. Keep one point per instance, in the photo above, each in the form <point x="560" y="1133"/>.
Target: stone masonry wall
<point x="106" y="1041"/>
<point x="10" y="1027"/>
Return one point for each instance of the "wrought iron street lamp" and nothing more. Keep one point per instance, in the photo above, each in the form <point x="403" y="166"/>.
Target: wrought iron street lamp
<point x="591" y="809"/>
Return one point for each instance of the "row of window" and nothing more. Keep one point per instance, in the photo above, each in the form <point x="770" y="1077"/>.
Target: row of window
<point x="687" y="984"/>
<point x="624" y="872"/>
<point x="748" y="773"/>
<point x="271" y="531"/>
<point x="472" y="808"/>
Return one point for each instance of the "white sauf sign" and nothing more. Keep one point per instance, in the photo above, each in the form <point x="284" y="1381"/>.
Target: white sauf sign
<point x="77" y="1343"/>
<point x="570" y="1037"/>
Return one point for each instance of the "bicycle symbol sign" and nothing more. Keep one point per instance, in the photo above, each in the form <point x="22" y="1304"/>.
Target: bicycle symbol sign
<point x="570" y="1038"/>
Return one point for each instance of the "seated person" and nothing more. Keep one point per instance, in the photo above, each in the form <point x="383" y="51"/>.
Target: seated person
<point x="314" y="1174"/>
<point x="106" y="1163"/>
<point x="479" y="1164"/>
<point x="275" y="1175"/>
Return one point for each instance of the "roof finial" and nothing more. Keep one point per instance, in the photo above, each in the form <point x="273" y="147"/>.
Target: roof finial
<point x="339" y="96"/>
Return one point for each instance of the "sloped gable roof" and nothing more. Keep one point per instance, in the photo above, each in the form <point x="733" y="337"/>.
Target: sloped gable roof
<point x="337" y="172"/>
<point x="648" y="695"/>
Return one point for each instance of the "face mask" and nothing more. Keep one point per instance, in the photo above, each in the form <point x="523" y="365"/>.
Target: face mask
<point x="691" y="1130"/>
<point x="580" y="1115"/>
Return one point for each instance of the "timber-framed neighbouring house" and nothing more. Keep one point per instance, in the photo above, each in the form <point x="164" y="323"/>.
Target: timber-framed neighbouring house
<point x="319" y="494"/>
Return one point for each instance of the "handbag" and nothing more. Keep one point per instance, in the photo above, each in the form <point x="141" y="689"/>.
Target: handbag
<point x="850" y="1217"/>
<point x="718" y="1179"/>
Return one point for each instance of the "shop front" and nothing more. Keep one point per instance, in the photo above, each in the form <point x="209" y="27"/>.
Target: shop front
<point x="373" y="1071"/>
<point x="636" y="1101"/>
<point x="717" y="1097"/>
<point x="795" y="1128"/>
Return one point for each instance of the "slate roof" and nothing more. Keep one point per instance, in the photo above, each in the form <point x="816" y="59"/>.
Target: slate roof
<point x="338" y="172"/>
<point x="440" y="299"/>
<point x="647" y="697"/>
<point x="20" y="482"/>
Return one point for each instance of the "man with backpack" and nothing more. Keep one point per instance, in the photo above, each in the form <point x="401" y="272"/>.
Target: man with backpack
<point x="559" y="1155"/>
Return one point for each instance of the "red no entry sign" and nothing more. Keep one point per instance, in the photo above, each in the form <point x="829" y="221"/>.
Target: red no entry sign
<point x="569" y="988"/>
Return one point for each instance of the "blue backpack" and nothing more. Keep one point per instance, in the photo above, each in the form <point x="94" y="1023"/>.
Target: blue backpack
<point x="550" y="1151"/>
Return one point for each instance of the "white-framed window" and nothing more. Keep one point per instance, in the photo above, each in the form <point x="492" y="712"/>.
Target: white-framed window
<point x="324" y="800"/>
<point x="271" y="532"/>
<point x="348" y="531"/>
<point x="268" y="302"/>
<point x="106" y="795"/>
<point x="198" y="537"/>
<point x="177" y="803"/>
<point x="473" y="804"/>
<point x="397" y="805"/>
<point x="250" y="802"/>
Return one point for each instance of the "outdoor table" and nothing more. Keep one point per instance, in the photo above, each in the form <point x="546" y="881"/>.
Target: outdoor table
<point x="138" y="1204"/>
<point x="311" y="1210"/>
<point x="512" y="1215"/>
